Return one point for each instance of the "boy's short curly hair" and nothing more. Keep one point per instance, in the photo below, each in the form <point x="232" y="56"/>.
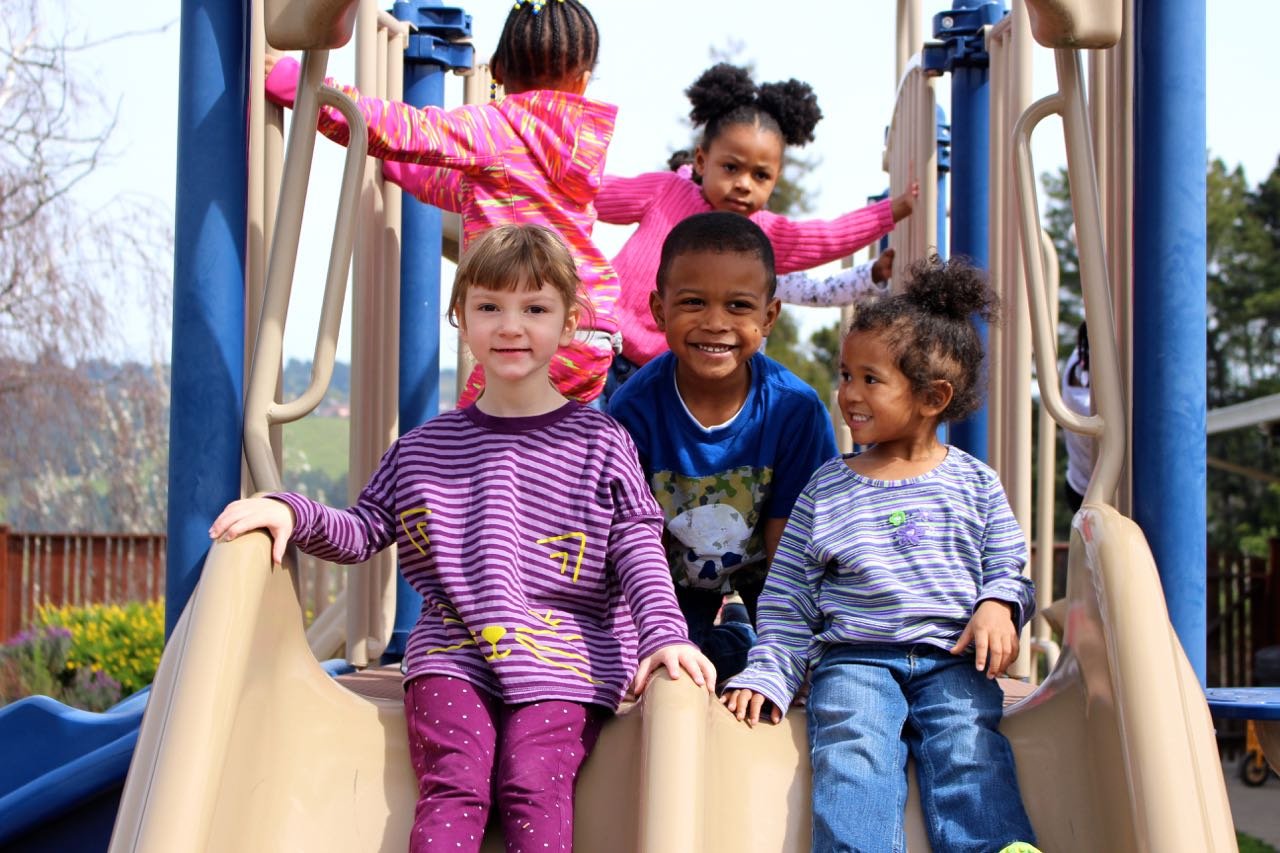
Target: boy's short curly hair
<point x="717" y="231"/>
<point x="930" y="329"/>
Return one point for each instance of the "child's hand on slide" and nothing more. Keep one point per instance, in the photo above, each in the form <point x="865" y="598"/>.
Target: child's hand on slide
<point x="676" y="657"/>
<point x="746" y="704"/>
<point x="254" y="513"/>
<point x="993" y="635"/>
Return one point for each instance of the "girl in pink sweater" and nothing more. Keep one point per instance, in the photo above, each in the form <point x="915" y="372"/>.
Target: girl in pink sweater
<point x="736" y="166"/>
<point x="536" y="156"/>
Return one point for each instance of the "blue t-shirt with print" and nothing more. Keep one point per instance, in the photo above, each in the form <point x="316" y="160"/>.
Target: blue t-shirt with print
<point x="716" y="485"/>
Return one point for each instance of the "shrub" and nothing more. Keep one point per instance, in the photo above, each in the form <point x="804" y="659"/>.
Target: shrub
<point x="87" y="657"/>
<point x="33" y="663"/>
<point x="123" y="641"/>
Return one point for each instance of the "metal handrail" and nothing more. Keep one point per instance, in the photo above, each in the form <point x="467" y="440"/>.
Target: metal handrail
<point x="1108" y="425"/>
<point x="261" y="410"/>
<point x="911" y="153"/>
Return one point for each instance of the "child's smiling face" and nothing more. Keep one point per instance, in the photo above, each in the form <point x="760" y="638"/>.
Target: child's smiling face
<point x="514" y="333"/>
<point x="715" y="309"/>
<point x="876" y="397"/>
<point x="740" y="168"/>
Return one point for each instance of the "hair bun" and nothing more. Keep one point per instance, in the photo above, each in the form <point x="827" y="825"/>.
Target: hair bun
<point x="954" y="289"/>
<point x="719" y="89"/>
<point x="794" y="106"/>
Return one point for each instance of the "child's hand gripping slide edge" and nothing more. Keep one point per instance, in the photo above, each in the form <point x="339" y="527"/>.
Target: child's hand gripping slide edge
<point x="251" y="514"/>
<point x="676" y="657"/>
<point x="746" y="705"/>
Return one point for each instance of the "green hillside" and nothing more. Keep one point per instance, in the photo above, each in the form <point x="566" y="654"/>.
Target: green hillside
<point x="317" y="443"/>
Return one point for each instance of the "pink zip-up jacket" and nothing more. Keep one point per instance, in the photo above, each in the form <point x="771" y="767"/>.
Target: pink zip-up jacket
<point x="535" y="157"/>
<point x="659" y="200"/>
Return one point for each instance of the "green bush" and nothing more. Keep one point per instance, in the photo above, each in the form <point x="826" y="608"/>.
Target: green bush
<point x="87" y="657"/>
<point x="122" y="640"/>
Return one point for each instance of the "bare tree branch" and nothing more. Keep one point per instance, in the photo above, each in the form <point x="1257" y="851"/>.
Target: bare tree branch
<point x="83" y="435"/>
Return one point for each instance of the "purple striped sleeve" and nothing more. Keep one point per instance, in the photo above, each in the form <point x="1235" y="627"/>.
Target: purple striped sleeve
<point x="350" y="535"/>
<point x="640" y="561"/>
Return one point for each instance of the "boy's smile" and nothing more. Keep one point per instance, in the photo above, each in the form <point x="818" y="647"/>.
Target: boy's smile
<point x="715" y="310"/>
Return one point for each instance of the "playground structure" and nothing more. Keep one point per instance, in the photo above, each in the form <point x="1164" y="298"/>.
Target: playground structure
<point x="1115" y="748"/>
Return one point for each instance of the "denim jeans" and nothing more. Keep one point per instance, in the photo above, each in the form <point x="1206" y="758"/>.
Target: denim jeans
<point x="725" y="645"/>
<point x="872" y="704"/>
<point x="620" y="370"/>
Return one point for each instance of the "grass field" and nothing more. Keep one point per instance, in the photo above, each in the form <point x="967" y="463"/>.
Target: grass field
<point x="318" y="443"/>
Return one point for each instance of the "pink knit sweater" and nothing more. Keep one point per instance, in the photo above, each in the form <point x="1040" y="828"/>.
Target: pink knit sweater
<point x="659" y="200"/>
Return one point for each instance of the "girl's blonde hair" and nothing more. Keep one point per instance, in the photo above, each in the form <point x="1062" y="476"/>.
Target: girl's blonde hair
<point x="509" y="257"/>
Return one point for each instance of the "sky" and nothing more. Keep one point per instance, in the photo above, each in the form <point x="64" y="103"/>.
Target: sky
<point x="845" y="51"/>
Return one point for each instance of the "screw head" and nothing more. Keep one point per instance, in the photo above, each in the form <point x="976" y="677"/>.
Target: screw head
<point x="948" y="22"/>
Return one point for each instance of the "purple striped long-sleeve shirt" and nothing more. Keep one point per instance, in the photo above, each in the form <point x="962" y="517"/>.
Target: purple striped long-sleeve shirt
<point x="534" y="542"/>
<point x="874" y="561"/>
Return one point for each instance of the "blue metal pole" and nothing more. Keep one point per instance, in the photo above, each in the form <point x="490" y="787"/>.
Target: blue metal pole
<point x="963" y="53"/>
<point x="207" y="374"/>
<point x="944" y="169"/>
<point x="1169" y="306"/>
<point x="429" y="56"/>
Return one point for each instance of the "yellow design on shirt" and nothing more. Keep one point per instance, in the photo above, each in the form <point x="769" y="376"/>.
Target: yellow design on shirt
<point x="564" y="555"/>
<point x="545" y="653"/>
<point x="420" y="528"/>
<point x="447" y="615"/>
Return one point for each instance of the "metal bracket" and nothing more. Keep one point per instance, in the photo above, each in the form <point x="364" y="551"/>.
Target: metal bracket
<point x="436" y="33"/>
<point x="961" y="35"/>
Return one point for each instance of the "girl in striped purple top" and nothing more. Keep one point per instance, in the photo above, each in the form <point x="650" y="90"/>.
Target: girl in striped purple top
<point x="525" y="523"/>
<point x="894" y="563"/>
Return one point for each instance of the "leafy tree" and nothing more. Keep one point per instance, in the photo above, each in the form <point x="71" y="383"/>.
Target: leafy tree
<point x="1242" y="342"/>
<point x="1243" y="350"/>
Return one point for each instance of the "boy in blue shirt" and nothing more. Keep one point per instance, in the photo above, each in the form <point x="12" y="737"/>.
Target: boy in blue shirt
<point x="727" y="436"/>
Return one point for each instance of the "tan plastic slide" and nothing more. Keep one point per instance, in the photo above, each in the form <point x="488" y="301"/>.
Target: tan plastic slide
<point x="247" y="745"/>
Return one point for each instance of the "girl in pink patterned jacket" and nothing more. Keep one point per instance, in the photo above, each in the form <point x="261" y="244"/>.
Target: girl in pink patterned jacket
<point x="536" y="156"/>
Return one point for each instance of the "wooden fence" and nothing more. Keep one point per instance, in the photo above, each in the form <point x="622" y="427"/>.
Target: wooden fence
<point x="1243" y="613"/>
<point x="75" y="568"/>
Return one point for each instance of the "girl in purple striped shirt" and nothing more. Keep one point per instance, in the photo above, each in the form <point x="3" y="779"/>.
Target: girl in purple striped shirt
<point x="894" y="562"/>
<point x="526" y="525"/>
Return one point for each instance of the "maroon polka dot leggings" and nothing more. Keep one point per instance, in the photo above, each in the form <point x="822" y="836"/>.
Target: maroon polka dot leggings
<point x="470" y="751"/>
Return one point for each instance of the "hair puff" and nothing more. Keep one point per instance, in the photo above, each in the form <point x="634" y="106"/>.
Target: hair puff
<point x="955" y="290"/>
<point x="794" y="106"/>
<point x="720" y="89"/>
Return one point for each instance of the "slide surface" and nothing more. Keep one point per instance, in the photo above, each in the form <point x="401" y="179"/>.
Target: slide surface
<point x="247" y="744"/>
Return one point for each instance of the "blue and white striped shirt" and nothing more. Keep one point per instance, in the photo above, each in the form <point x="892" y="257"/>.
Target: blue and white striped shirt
<point x="876" y="561"/>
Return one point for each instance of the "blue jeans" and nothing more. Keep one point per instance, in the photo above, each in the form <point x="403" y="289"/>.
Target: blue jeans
<point x="725" y="645"/>
<point x="872" y="704"/>
<point x="620" y="370"/>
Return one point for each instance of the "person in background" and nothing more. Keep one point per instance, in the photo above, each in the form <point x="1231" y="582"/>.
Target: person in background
<point x="1078" y="396"/>
<point x="535" y="156"/>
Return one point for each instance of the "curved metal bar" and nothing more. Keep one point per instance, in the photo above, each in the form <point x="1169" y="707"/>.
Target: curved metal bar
<point x="1109" y="424"/>
<point x="339" y="264"/>
<point x="260" y="411"/>
<point x="1033" y="261"/>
